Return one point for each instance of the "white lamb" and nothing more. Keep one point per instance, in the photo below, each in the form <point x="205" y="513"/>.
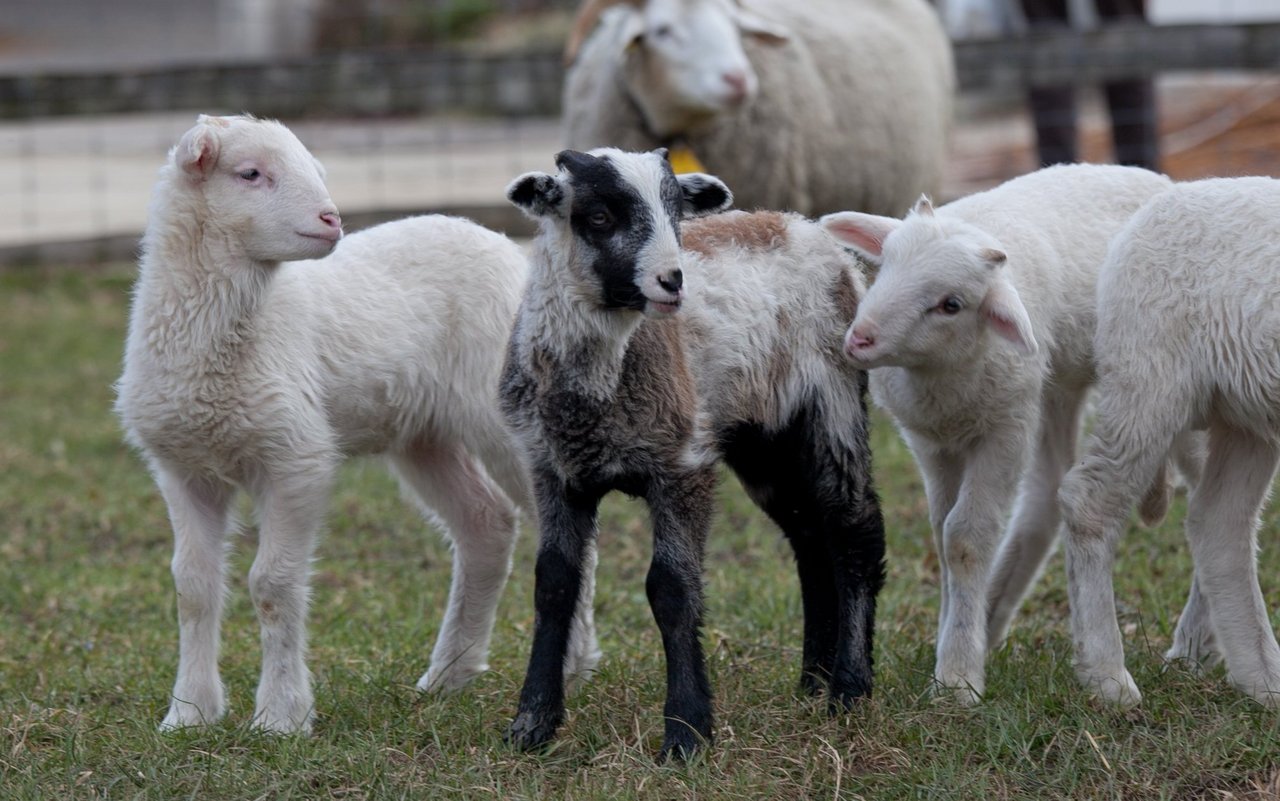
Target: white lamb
<point x="245" y="372"/>
<point x="978" y="334"/>
<point x="813" y="107"/>
<point x="1188" y="338"/>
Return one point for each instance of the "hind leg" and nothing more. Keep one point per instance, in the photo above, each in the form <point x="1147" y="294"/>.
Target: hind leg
<point x="1096" y="497"/>
<point x="481" y="524"/>
<point x="1034" y="526"/>
<point x="1194" y="643"/>
<point x="1222" y="521"/>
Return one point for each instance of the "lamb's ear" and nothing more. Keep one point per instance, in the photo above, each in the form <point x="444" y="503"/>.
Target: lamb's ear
<point x="537" y="194"/>
<point x="923" y="206"/>
<point x="574" y="161"/>
<point x="759" y="28"/>
<point x="1006" y="315"/>
<point x="865" y="233"/>
<point x="703" y="194"/>
<point x="197" y="151"/>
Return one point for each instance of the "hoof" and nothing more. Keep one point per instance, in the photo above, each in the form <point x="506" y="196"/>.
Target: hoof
<point x="681" y="744"/>
<point x="1118" y="690"/>
<point x="449" y="681"/>
<point x="529" y="732"/>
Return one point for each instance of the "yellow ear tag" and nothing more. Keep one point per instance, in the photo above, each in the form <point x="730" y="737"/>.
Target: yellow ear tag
<point x="683" y="161"/>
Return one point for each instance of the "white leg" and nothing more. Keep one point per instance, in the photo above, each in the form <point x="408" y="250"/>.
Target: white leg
<point x="1096" y="498"/>
<point x="1222" y="520"/>
<point x="481" y="522"/>
<point x="1034" y="527"/>
<point x="942" y="474"/>
<point x="1194" y="643"/>
<point x="198" y="511"/>
<point x="970" y="538"/>
<point x="584" y="649"/>
<point x="290" y="512"/>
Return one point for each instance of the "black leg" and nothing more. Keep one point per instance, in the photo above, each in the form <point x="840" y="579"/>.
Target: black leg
<point x="681" y="520"/>
<point x="567" y="523"/>
<point x="816" y="485"/>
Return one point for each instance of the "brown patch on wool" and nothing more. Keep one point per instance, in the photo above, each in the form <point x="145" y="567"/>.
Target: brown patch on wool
<point x="758" y="230"/>
<point x="845" y="295"/>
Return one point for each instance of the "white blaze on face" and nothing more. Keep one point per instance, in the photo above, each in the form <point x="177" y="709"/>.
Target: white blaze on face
<point x="657" y="260"/>
<point x="695" y="54"/>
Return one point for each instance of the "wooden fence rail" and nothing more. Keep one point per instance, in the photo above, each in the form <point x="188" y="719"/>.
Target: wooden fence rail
<point x="528" y="83"/>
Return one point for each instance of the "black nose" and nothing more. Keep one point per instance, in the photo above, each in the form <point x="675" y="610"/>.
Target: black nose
<point x="673" y="282"/>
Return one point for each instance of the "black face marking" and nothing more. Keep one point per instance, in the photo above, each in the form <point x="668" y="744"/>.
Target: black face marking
<point x="613" y="219"/>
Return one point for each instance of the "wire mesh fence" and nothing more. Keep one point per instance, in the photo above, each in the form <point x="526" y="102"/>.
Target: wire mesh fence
<point x="440" y="111"/>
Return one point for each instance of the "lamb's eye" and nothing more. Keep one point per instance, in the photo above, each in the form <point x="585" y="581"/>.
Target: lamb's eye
<point x="950" y="305"/>
<point x="252" y="174"/>
<point x="599" y="219"/>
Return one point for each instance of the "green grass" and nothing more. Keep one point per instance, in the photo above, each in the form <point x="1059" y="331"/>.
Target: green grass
<point x="88" y="643"/>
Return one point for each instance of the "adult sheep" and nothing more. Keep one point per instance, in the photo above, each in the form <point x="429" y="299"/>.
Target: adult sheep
<point x="247" y="371"/>
<point x="815" y="107"/>
<point x="621" y="377"/>
<point x="1188" y="338"/>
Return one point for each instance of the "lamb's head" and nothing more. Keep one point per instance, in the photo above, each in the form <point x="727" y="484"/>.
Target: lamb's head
<point x="613" y="220"/>
<point x="259" y="187"/>
<point x="941" y="285"/>
<point x="683" y="60"/>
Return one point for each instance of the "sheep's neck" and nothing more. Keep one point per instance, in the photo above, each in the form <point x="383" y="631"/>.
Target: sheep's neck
<point x="589" y="344"/>
<point x="199" y="302"/>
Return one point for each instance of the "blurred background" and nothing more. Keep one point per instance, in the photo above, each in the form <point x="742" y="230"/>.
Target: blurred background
<point x="434" y="105"/>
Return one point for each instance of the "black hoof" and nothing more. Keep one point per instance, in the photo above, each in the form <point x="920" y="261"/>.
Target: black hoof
<point x="845" y="695"/>
<point x="529" y="732"/>
<point x="681" y="746"/>
<point x="812" y="684"/>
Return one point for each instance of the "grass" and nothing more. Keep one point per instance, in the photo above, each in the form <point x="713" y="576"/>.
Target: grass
<point x="88" y="643"/>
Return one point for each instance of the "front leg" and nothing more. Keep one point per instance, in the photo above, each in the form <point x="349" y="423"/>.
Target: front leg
<point x="291" y="510"/>
<point x="198" y="511"/>
<point x="681" y="513"/>
<point x="970" y="537"/>
<point x="567" y="527"/>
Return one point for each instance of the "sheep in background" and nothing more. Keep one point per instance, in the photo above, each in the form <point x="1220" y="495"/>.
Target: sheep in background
<point x="630" y="370"/>
<point x="1188" y="337"/>
<point x="978" y="335"/>
<point x="245" y="372"/>
<point x="815" y="107"/>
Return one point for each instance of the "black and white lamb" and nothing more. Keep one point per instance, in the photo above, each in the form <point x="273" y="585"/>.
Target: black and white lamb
<point x="635" y="366"/>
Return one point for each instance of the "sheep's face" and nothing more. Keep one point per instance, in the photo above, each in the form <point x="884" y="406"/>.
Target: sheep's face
<point x="685" y="61"/>
<point x="612" y="219"/>
<point x="941" y="286"/>
<point x="263" y="190"/>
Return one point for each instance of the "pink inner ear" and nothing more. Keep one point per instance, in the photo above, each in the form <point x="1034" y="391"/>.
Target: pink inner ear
<point x="1004" y="323"/>
<point x="869" y="238"/>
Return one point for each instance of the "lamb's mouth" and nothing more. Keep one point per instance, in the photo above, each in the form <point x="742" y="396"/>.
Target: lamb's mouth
<point x="661" y="308"/>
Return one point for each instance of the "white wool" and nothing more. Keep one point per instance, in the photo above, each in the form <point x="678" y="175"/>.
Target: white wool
<point x="1188" y="336"/>
<point x="988" y="399"/>
<point x="246" y="371"/>
<point x="848" y="103"/>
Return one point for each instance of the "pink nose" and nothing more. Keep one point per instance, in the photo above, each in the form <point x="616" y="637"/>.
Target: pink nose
<point x="331" y="219"/>
<point x="859" y="340"/>
<point x="737" y="82"/>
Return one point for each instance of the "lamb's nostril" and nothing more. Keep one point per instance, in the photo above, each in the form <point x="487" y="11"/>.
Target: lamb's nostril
<point x="331" y="219"/>
<point x="858" y="341"/>
<point x="672" y="282"/>
<point x="737" y="81"/>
